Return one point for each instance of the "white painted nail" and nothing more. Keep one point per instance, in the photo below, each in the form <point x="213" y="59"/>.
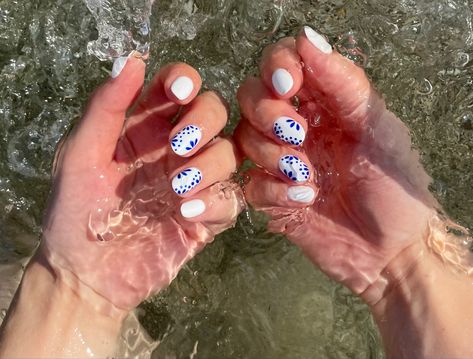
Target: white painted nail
<point x="294" y="169"/>
<point x="282" y="81"/>
<point x="192" y="208"/>
<point x="186" y="140"/>
<point x="289" y="130"/>
<point x="118" y="66"/>
<point x="317" y="40"/>
<point x="186" y="180"/>
<point x="182" y="87"/>
<point x="301" y="194"/>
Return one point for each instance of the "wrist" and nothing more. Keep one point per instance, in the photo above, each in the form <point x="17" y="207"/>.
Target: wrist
<point x="57" y="320"/>
<point x="421" y="300"/>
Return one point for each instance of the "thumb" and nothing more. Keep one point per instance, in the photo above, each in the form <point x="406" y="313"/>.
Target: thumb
<point x="97" y="134"/>
<point x="334" y="81"/>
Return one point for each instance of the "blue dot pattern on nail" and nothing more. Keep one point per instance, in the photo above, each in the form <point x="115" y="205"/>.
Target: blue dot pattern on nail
<point x="295" y="169"/>
<point x="186" y="140"/>
<point x="186" y="180"/>
<point x="289" y="131"/>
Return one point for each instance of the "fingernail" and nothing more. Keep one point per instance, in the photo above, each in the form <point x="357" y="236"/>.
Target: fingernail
<point x="182" y="87"/>
<point x="192" y="208"/>
<point x="186" y="140"/>
<point x="289" y="130"/>
<point x="295" y="169"/>
<point x="119" y="65"/>
<point x="282" y="81"/>
<point x="317" y="40"/>
<point x="301" y="194"/>
<point x="186" y="180"/>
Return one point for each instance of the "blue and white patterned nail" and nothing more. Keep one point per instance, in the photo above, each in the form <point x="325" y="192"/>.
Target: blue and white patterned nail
<point x="289" y="130"/>
<point x="295" y="169"/>
<point x="186" y="180"/>
<point x="186" y="140"/>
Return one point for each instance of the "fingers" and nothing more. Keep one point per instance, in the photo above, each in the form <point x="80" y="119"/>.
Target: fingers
<point x="175" y="85"/>
<point x="201" y="122"/>
<point x="281" y="68"/>
<point x="148" y="128"/>
<point x="218" y="204"/>
<point x="216" y="163"/>
<point x="286" y="163"/>
<point x="276" y="119"/>
<point x="263" y="191"/>
<point x="342" y="86"/>
<point x="96" y="136"/>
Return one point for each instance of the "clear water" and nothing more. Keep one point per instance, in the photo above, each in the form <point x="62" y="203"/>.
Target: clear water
<point x="250" y="294"/>
<point x="122" y="26"/>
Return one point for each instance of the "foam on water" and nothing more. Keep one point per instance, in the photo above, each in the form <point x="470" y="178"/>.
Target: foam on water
<point x="122" y="26"/>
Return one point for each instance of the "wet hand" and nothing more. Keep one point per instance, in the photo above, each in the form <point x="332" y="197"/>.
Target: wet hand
<point x="135" y="198"/>
<point x="336" y="170"/>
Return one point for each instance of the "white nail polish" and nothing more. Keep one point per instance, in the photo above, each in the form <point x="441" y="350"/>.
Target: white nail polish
<point x="186" y="140"/>
<point x="294" y="169"/>
<point x="282" y="81"/>
<point x="182" y="87"/>
<point x="289" y="130"/>
<point x="301" y="194"/>
<point x="317" y="40"/>
<point x="118" y="66"/>
<point x="192" y="208"/>
<point x="186" y="180"/>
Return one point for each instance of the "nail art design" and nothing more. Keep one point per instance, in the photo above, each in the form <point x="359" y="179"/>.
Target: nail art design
<point x="289" y="130"/>
<point x="317" y="40"/>
<point x="301" y="194"/>
<point x="182" y="87"/>
<point x="282" y="81"/>
<point x="186" y="140"/>
<point x="294" y="168"/>
<point x="186" y="180"/>
<point x="192" y="208"/>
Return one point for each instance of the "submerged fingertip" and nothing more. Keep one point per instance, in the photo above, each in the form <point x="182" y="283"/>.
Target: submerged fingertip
<point x="317" y="40"/>
<point x="118" y="66"/>
<point x="301" y="194"/>
<point x="283" y="82"/>
<point x="121" y="62"/>
<point x="193" y="208"/>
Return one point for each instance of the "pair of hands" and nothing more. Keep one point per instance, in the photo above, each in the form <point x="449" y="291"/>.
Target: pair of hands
<point x="136" y="197"/>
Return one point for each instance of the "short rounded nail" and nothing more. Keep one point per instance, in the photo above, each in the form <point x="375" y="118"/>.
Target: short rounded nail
<point x="282" y="81"/>
<point x="294" y="168"/>
<point x="192" y="208"/>
<point x="186" y="180"/>
<point x="289" y="131"/>
<point x="118" y="66"/>
<point x="186" y="140"/>
<point x="182" y="87"/>
<point x="317" y="40"/>
<point x="301" y="194"/>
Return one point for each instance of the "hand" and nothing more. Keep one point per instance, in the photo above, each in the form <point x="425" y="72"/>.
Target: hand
<point x="337" y="174"/>
<point x="126" y="213"/>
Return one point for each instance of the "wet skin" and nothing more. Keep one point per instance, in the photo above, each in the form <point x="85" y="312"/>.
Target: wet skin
<point x="372" y="200"/>
<point x="114" y="224"/>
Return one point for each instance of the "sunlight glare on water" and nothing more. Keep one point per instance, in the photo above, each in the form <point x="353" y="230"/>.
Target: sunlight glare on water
<point x="250" y="293"/>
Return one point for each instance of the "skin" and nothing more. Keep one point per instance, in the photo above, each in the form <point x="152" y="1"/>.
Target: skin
<point x="369" y="227"/>
<point x="91" y="267"/>
<point x="369" y="224"/>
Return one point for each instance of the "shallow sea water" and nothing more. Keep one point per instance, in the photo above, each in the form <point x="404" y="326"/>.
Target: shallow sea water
<point x="250" y="294"/>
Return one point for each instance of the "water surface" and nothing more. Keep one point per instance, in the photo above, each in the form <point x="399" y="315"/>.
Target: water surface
<point x="250" y="294"/>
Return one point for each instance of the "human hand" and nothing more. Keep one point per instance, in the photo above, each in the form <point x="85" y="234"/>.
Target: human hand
<point x="337" y="174"/>
<point x="116" y="225"/>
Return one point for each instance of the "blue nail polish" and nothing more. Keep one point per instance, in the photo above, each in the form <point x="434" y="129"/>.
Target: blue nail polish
<point x="294" y="169"/>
